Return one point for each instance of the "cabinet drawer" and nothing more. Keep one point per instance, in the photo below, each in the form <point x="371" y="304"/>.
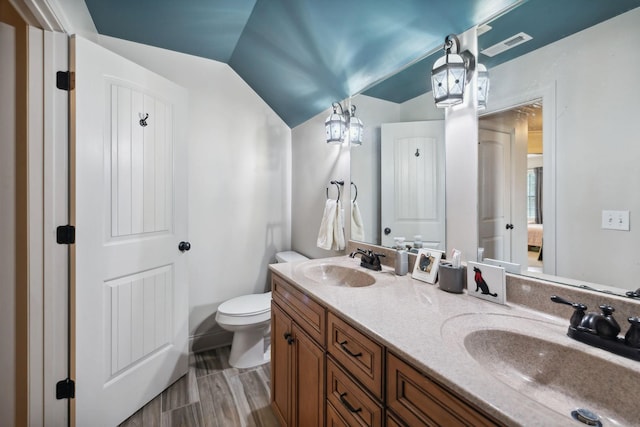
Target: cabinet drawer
<point x="352" y="403"/>
<point x="419" y="401"/>
<point x="392" y="421"/>
<point x="334" y="419"/>
<point x="308" y="314"/>
<point x="359" y="354"/>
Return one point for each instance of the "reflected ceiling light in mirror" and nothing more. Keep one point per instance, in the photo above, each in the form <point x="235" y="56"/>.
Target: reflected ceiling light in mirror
<point x="483" y="86"/>
<point x="343" y="124"/>
<point x="356" y="128"/>
<point x="451" y="73"/>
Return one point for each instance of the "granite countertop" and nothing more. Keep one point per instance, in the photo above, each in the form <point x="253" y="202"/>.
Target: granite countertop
<point x="427" y="327"/>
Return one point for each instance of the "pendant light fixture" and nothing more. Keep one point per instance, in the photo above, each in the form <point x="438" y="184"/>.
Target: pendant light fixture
<point x="451" y="73"/>
<point x="341" y="124"/>
<point x="335" y="125"/>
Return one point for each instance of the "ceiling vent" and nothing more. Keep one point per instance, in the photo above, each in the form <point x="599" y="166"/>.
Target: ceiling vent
<point x="506" y="44"/>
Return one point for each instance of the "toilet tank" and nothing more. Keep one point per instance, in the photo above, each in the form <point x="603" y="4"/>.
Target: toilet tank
<point x="289" y="256"/>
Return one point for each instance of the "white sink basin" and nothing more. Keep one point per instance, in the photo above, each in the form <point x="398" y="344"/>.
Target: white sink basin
<point x="523" y="354"/>
<point x="339" y="275"/>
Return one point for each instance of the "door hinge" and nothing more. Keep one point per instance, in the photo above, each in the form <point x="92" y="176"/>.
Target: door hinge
<point x="66" y="234"/>
<point x="65" y="389"/>
<point x="65" y="80"/>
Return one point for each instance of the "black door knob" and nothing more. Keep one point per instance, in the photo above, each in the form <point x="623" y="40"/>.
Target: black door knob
<point x="509" y="226"/>
<point x="184" y="246"/>
<point x="387" y="231"/>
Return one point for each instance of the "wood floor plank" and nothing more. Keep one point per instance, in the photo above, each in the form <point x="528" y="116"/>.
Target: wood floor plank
<point x="256" y="392"/>
<point x="147" y="416"/>
<point x="182" y="392"/>
<point x="218" y="404"/>
<point x="211" y="394"/>
<point x="212" y="361"/>
<point x="185" y="416"/>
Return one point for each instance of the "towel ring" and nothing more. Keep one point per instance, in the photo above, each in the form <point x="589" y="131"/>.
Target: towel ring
<point x="337" y="184"/>
<point x="356" y="196"/>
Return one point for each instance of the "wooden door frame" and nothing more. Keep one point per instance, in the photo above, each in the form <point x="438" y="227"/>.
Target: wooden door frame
<point x="41" y="205"/>
<point x="10" y="16"/>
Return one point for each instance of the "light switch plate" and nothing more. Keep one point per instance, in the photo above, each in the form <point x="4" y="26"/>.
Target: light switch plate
<point x="615" y="220"/>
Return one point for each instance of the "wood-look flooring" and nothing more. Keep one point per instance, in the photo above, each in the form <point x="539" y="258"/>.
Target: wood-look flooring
<point x="211" y="394"/>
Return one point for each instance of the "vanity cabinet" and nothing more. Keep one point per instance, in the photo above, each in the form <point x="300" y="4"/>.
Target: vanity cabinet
<point x="354" y="374"/>
<point x="326" y="370"/>
<point x="419" y="401"/>
<point x="297" y="357"/>
<point x="350" y="401"/>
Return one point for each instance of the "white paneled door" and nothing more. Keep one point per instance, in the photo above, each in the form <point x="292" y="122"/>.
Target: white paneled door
<point x="494" y="199"/>
<point x="412" y="176"/>
<point x="128" y="192"/>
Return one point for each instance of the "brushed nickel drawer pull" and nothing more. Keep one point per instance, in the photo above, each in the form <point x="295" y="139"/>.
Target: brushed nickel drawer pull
<point x="348" y="405"/>
<point x="344" y="347"/>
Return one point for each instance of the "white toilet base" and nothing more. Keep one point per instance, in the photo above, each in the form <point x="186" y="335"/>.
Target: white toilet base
<point x="247" y="348"/>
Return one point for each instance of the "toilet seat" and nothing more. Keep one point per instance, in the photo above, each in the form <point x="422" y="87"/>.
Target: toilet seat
<point x="246" y="305"/>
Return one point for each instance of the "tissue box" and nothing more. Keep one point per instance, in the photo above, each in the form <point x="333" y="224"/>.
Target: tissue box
<point x="451" y="279"/>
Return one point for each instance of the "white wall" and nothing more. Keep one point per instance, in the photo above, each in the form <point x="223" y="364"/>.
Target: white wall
<point x="461" y="136"/>
<point x="7" y="224"/>
<point x="596" y="143"/>
<point x="315" y="165"/>
<point x="239" y="182"/>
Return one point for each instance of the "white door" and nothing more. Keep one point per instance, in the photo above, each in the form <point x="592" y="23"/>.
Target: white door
<point x="412" y="175"/>
<point x="494" y="190"/>
<point x="128" y="192"/>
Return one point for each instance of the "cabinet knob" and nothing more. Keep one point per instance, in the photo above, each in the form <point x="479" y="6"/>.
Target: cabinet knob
<point x="289" y="338"/>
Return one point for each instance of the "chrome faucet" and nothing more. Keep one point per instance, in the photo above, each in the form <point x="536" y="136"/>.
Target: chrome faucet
<point x="368" y="259"/>
<point x="601" y="329"/>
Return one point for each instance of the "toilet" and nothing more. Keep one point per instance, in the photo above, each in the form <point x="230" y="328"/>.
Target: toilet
<point x="249" y="318"/>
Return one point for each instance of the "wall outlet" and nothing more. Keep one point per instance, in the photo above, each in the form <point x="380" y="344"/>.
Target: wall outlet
<point x="615" y="220"/>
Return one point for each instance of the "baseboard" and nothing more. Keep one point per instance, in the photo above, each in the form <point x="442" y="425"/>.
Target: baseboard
<point x="216" y="339"/>
<point x="210" y="340"/>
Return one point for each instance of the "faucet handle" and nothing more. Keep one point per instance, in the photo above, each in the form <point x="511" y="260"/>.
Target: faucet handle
<point x="632" y="337"/>
<point x="375" y="258"/>
<point x="578" y="312"/>
<point x="610" y="327"/>
<point x="607" y="310"/>
<point x="634" y="294"/>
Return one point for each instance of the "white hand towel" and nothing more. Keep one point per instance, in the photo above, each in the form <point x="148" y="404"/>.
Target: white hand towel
<point x="357" y="227"/>
<point x="325" y="234"/>
<point x="339" y="242"/>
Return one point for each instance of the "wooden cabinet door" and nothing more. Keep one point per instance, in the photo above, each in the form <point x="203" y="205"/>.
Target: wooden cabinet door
<point x="308" y="382"/>
<point x="281" y="351"/>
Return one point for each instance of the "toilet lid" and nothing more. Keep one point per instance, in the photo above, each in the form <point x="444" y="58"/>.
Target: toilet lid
<point x="246" y="305"/>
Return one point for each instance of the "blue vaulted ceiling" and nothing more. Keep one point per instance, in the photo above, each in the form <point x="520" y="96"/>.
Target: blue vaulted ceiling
<point x="300" y="55"/>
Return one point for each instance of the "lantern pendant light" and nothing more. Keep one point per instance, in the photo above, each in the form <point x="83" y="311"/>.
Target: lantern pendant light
<point x="451" y="73"/>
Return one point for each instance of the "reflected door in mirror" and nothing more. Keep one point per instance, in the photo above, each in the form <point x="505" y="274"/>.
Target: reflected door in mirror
<point x="494" y="170"/>
<point x="412" y="187"/>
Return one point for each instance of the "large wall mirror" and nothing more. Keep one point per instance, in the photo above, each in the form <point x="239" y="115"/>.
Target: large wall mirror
<point x="582" y="88"/>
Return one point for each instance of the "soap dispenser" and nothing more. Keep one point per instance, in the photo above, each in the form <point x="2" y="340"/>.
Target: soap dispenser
<point x="402" y="262"/>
